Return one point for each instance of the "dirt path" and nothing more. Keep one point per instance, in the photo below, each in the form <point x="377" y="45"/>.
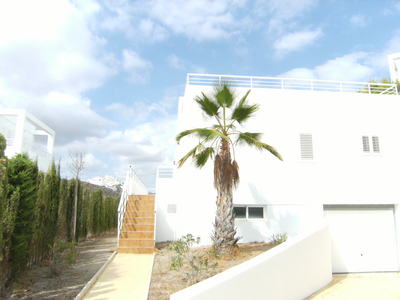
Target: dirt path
<point x="41" y="283"/>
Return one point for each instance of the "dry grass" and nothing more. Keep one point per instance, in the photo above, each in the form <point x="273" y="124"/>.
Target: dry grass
<point x="165" y="281"/>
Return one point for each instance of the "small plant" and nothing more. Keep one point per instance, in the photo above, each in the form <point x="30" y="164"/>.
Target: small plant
<point x="181" y="248"/>
<point x="279" y="238"/>
<point x="200" y="266"/>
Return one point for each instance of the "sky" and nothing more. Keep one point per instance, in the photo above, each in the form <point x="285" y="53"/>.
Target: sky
<point x="106" y="74"/>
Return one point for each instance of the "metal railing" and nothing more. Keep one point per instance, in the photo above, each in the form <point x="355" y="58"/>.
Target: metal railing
<point x="124" y="198"/>
<point x="292" y="84"/>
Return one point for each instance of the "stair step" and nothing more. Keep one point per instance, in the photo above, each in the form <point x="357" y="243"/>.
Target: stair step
<point x="138" y="227"/>
<point x="137" y="235"/>
<point x="138" y="243"/>
<point x="141" y="197"/>
<point x="138" y="221"/>
<point x="135" y="250"/>
<point x="139" y="206"/>
<point x="139" y="213"/>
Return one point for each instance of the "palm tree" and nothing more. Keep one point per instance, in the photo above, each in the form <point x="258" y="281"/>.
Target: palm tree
<point x="216" y="142"/>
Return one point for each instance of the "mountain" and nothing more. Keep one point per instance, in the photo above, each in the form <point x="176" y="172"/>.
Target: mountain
<point x="108" y="182"/>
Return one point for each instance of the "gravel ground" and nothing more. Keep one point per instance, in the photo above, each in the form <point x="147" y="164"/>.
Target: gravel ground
<point x="42" y="282"/>
<point x="165" y="281"/>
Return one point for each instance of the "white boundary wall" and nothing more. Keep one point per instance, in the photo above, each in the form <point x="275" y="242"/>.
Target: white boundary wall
<point x="290" y="271"/>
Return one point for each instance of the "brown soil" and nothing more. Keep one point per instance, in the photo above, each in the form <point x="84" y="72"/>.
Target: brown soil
<point x="43" y="282"/>
<point x="165" y="281"/>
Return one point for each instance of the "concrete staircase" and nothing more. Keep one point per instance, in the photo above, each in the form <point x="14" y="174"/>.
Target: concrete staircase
<point x="137" y="233"/>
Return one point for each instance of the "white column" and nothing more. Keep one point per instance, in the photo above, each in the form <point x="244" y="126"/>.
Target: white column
<point x="50" y="143"/>
<point x="19" y="131"/>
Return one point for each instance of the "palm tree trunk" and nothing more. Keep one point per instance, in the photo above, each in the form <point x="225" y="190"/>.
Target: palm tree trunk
<point x="224" y="226"/>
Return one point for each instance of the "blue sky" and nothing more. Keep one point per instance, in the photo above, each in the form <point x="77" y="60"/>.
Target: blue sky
<point x="106" y="75"/>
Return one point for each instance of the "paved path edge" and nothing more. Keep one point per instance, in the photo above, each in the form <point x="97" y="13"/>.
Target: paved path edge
<point x="149" y="277"/>
<point x="93" y="280"/>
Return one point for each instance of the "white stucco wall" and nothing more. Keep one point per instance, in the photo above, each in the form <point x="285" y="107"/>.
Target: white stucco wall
<point x="290" y="271"/>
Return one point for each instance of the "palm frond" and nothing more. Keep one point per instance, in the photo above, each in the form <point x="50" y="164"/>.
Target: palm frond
<point x="217" y="170"/>
<point x="191" y="153"/>
<point x="209" y="134"/>
<point x="219" y="127"/>
<point x="235" y="173"/>
<point x="207" y="105"/>
<point x="252" y="139"/>
<point x="202" y="157"/>
<point x="244" y="98"/>
<point x="185" y="133"/>
<point x="224" y="95"/>
<point x="243" y="111"/>
<point x="206" y="134"/>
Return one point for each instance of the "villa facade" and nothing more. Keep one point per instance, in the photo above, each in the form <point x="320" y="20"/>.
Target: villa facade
<point x="340" y="144"/>
<point x="25" y="133"/>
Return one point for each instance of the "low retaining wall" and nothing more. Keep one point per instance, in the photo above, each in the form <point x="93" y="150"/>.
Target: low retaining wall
<point x="290" y="271"/>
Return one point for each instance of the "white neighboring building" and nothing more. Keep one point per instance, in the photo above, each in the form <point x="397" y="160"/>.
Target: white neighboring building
<point x="341" y="163"/>
<point x="394" y="66"/>
<point x="26" y="134"/>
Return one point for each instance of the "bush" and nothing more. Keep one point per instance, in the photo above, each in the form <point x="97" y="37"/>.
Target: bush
<point x="199" y="265"/>
<point x="181" y="248"/>
<point x="279" y="238"/>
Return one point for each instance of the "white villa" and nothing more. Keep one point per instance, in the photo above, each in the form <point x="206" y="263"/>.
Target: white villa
<point x="26" y="134"/>
<point x="340" y="142"/>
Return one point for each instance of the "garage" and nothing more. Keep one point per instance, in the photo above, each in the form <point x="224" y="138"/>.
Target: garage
<point x="363" y="238"/>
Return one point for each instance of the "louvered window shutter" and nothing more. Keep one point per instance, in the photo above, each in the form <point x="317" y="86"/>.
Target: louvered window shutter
<point x="365" y="142"/>
<point x="306" y="147"/>
<point x="375" y="144"/>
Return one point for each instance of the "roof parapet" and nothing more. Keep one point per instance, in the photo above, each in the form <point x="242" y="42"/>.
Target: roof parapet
<point x="292" y="84"/>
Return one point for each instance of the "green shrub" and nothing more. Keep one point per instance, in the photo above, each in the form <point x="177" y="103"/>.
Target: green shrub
<point x="279" y="238"/>
<point x="181" y="247"/>
<point x="199" y="265"/>
<point x="22" y="177"/>
<point x="3" y="145"/>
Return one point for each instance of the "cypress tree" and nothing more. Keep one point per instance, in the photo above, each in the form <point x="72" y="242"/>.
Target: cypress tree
<point x="62" y="210"/>
<point x="8" y="212"/>
<point x="69" y="208"/>
<point x="22" y="176"/>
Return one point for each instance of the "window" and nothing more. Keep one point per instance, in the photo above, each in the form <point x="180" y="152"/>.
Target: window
<point x="367" y="142"/>
<point x="249" y="212"/>
<point x="256" y="212"/>
<point x="306" y="146"/>
<point x="240" y="212"/>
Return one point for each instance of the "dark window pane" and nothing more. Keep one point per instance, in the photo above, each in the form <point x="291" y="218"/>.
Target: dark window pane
<point x="256" y="212"/>
<point x="239" y="212"/>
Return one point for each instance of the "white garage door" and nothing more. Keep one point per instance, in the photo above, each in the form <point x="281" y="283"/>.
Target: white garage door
<point x="363" y="238"/>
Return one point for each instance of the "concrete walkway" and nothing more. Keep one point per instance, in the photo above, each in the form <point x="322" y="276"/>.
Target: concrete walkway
<point x="126" y="277"/>
<point x="365" y="286"/>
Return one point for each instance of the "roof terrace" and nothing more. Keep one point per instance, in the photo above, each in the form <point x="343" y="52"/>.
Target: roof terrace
<point x="293" y="84"/>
